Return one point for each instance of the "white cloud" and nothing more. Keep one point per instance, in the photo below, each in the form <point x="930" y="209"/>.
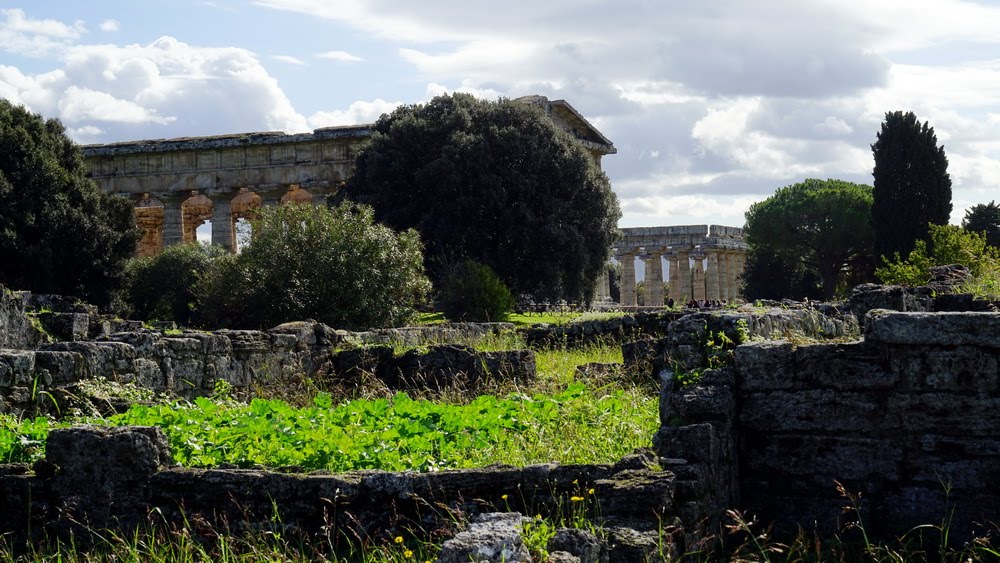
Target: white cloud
<point x="110" y="25"/>
<point x="342" y="56"/>
<point x="357" y="113"/>
<point x="164" y="89"/>
<point x="288" y="59"/>
<point x="23" y="35"/>
<point x="84" y="105"/>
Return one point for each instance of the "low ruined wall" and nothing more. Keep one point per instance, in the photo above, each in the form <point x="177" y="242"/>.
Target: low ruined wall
<point x="909" y="418"/>
<point x="94" y="478"/>
<point x="192" y="363"/>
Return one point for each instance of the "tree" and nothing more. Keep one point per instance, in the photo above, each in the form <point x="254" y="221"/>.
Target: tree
<point x="495" y="182"/>
<point x="58" y="232"/>
<point x="162" y="287"/>
<point x="984" y="218"/>
<point x="912" y="186"/>
<point x="334" y="265"/>
<point x="813" y="231"/>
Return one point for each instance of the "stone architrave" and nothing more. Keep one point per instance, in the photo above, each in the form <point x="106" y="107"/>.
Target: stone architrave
<point x="712" y="275"/>
<point x="223" y="229"/>
<point x="627" y="286"/>
<point x="654" y="280"/>
<point x="698" y="279"/>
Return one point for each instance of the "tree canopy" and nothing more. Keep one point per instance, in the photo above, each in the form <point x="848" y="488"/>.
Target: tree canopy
<point x="808" y="238"/>
<point x="334" y="265"/>
<point x="58" y="232"/>
<point x="495" y="182"/>
<point x="912" y="185"/>
<point x="984" y="218"/>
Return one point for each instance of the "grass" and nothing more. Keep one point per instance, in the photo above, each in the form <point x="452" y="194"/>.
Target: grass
<point x="528" y="319"/>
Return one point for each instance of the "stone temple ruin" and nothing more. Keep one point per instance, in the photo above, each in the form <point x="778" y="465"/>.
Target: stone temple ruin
<point x="179" y="184"/>
<point x="705" y="263"/>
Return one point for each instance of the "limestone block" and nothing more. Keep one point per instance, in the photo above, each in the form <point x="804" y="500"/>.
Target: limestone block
<point x="639" y="494"/>
<point x="702" y="403"/>
<point x="765" y="366"/>
<point x="491" y="538"/>
<point x="694" y="442"/>
<point x="845" y="366"/>
<point x="60" y="368"/>
<point x="955" y="414"/>
<point x="827" y="457"/>
<point x="17" y="367"/>
<point x="812" y="409"/>
<point x="965" y="370"/>
<point x="585" y="546"/>
<point x="930" y="329"/>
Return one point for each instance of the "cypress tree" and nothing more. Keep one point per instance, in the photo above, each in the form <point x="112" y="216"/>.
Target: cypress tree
<point x="912" y="186"/>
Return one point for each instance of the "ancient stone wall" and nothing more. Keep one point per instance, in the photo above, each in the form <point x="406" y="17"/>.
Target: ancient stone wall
<point x="95" y="478"/>
<point x="908" y="418"/>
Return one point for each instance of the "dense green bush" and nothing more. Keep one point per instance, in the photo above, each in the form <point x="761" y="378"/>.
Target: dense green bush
<point x="949" y="245"/>
<point x="472" y="292"/>
<point x="334" y="265"/>
<point x="161" y="287"/>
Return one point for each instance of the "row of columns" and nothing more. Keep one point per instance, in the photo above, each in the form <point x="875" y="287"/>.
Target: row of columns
<point x="166" y="220"/>
<point x="689" y="279"/>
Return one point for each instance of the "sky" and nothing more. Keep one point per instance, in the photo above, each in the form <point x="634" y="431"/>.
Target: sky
<point x="712" y="105"/>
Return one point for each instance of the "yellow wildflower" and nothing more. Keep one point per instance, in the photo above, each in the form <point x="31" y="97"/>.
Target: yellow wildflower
<point x="407" y="554"/>
<point x="399" y="539"/>
<point x="590" y="491"/>
<point x="576" y="499"/>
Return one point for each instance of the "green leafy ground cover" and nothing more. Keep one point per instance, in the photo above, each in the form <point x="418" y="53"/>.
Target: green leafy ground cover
<point x="556" y="420"/>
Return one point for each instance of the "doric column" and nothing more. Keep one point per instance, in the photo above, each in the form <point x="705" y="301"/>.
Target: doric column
<point x="712" y="275"/>
<point x="698" y="279"/>
<point x="223" y="229"/>
<point x="725" y="275"/>
<point x="173" y="221"/>
<point x="683" y="278"/>
<point x="627" y="285"/>
<point x="601" y="289"/>
<point x="654" y="280"/>
<point x="740" y="259"/>
<point x="675" y="286"/>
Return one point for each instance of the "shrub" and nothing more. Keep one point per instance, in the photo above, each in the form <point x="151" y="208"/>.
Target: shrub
<point x="472" y="292"/>
<point x="162" y="286"/>
<point x="949" y="245"/>
<point x="334" y="265"/>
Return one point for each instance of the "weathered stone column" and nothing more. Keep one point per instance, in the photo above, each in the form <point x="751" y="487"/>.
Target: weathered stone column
<point x="654" y="280"/>
<point x="173" y="221"/>
<point x="712" y="275"/>
<point x="698" y="279"/>
<point x="740" y="259"/>
<point x="602" y="290"/>
<point x="675" y="288"/>
<point x="725" y="275"/>
<point x="683" y="278"/>
<point x="223" y="230"/>
<point x="628" y="280"/>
